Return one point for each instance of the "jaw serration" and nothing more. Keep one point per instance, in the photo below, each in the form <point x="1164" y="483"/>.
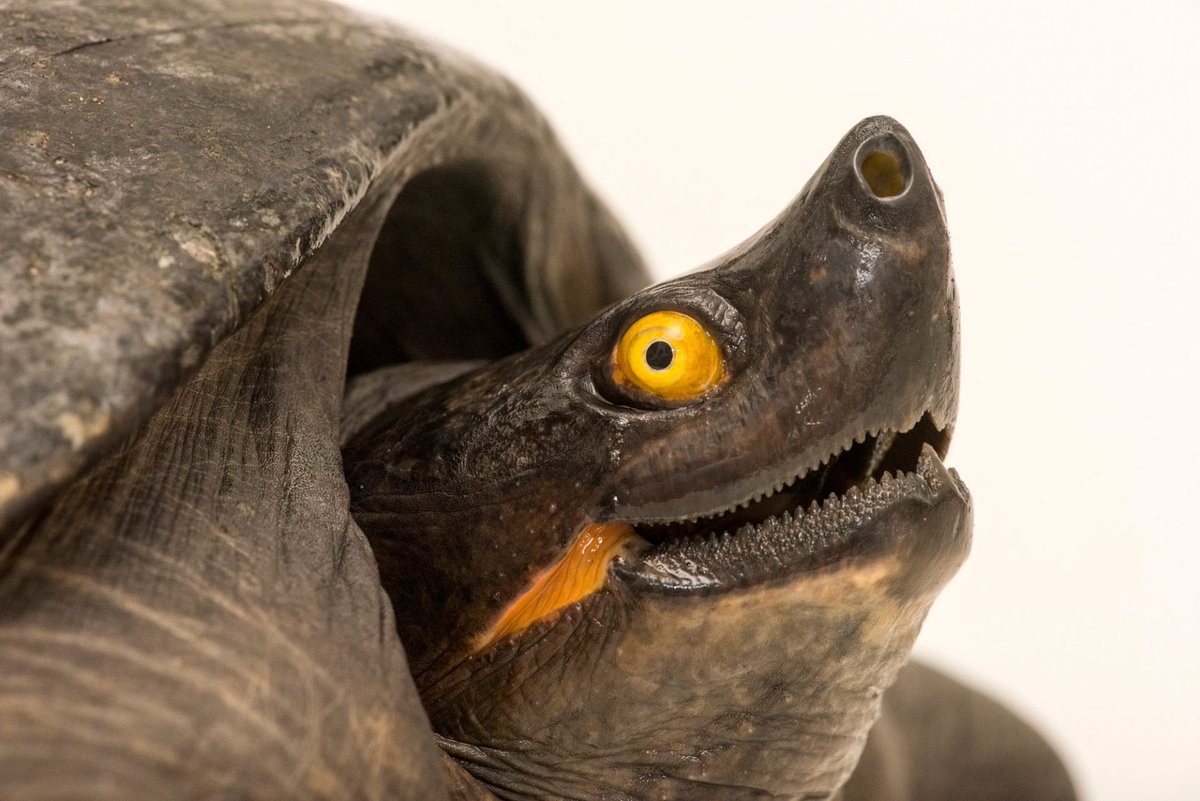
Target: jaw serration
<point x="883" y="436"/>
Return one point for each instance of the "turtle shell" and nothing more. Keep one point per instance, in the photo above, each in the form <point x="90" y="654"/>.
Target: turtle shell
<point x="166" y="167"/>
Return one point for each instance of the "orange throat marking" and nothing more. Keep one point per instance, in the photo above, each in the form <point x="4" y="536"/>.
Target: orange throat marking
<point x="578" y="573"/>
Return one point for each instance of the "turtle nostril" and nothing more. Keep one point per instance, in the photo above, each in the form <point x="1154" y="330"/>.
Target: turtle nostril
<point x="883" y="174"/>
<point x="883" y="166"/>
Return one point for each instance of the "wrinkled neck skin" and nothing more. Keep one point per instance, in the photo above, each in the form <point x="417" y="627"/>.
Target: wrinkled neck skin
<point x="767" y="694"/>
<point x="738" y="659"/>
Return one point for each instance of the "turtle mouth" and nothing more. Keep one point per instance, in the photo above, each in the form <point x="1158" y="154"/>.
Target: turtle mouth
<point x="804" y="522"/>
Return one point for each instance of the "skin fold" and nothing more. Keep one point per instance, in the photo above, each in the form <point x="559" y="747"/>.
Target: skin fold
<point x="708" y="666"/>
<point x="200" y="617"/>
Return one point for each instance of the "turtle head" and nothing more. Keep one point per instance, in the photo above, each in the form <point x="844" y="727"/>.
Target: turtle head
<point x="680" y="551"/>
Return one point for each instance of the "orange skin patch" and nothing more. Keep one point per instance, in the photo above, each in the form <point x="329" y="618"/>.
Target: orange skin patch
<point x="582" y="570"/>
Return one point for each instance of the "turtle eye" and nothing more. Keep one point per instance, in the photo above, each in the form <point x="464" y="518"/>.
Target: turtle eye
<point x="667" y="355"/>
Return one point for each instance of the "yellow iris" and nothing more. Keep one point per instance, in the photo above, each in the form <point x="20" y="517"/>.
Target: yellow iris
<point x="668" y="355"/>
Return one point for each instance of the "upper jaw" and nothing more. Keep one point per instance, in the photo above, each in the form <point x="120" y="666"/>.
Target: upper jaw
<point x="881" y="441"/>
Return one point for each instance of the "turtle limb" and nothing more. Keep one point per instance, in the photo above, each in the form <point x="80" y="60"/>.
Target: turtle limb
<point x="938" y="740"/>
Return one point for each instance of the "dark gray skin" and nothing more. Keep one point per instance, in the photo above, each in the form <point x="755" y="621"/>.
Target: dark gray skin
<point x="210" y="210"/>
<point x="743" y="667"/>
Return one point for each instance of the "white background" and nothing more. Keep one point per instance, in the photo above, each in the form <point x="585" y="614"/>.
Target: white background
<point x="1066" y="137"/>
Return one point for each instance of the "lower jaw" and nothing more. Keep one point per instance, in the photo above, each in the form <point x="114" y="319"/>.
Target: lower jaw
<point x="824" y="535"/>
<point x="827" y="534"/>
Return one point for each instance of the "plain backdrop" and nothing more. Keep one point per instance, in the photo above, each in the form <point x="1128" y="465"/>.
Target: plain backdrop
<point x="1064" y="136"/>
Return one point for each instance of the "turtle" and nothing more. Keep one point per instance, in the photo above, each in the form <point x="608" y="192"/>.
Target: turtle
<point x="345" y="452"/>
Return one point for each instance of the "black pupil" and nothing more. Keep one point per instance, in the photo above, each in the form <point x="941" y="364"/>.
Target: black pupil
<point x="659" y="355"/>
